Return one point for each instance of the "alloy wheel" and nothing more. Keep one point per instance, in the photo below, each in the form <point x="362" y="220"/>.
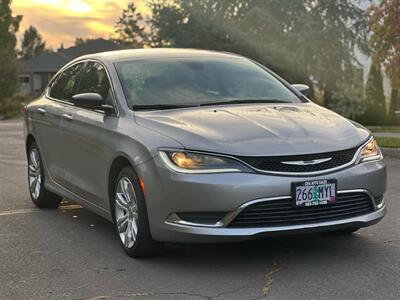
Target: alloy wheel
<point x="126" y="212"/>
<point x="34" y="173"/>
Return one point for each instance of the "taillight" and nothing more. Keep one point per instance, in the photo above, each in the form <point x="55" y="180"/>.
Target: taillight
<point x="24" y="109"/>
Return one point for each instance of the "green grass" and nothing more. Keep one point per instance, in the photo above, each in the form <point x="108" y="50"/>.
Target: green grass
<point x="388" y="142"/>
<point x="385" y="128"/>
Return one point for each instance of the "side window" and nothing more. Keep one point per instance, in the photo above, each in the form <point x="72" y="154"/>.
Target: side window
<point x="64" y="85"/>
<point x="95" y="80"/>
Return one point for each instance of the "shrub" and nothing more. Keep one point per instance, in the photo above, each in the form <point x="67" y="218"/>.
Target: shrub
<point x="12" y="107"/>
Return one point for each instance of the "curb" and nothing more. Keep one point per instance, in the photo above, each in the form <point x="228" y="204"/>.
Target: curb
<point x="391" y="152"/>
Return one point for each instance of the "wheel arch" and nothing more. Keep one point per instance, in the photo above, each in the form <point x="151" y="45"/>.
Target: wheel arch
<point x="119" y="162"/>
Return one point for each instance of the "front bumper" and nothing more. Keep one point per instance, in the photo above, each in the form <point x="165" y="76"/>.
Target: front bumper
<point x="187" y="233"/>
<point x="168" y="193"/>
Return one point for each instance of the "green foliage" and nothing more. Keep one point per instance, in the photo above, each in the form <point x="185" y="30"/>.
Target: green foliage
<point x="8" y="73"/>
<point x="308" y="41"/>
<point x="348" y="99"/>
<point x="130" y="29"/>
<point x="8" y="65"/>
<point x="394" y="106"/>
<point x="384" y="23"/>
<point x="385" y="128"/>
<point x="388" y="142"/>
<point x="385" y="39"/>
<point x="12" y="107"/>
<point x="9" y="26"/>
<point x="32" y="44"/>
<point x="375" y="113"/>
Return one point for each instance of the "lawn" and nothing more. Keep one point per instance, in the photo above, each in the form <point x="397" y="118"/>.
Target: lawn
<point x="385" y="128"/>
<point x="388" y="142"/>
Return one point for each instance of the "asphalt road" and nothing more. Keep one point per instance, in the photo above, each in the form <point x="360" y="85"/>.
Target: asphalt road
<point x="71" y="253"/>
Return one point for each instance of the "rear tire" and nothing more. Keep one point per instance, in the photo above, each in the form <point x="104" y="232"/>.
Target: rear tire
<point x="130" y="216"/>
<point x="41" y="197"/>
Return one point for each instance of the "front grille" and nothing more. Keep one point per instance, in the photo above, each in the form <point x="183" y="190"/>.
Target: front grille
<point x="201" y="217"/>
<point x="283" y="212"/>
<point x="274" y="163"/>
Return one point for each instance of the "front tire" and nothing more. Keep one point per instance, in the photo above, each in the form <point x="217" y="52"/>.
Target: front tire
<point x="130" y="216"/>
<point x="41" y="197"/>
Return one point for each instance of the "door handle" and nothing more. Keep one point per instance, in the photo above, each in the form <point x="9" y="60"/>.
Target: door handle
<point x="42" y="111"/>
<point x="67" y="117"/>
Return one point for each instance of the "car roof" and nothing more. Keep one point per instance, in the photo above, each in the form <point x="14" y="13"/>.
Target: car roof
<point x="155" y="53"/>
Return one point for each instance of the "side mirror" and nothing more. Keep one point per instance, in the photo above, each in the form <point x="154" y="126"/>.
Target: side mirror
<point x="302" y="88"/>
<point x="92" y="100"/>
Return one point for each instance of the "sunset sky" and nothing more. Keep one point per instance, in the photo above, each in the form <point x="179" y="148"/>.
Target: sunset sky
<point x="60" y="21"/>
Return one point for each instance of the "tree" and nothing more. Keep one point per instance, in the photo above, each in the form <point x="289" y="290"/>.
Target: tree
<point x="195" y="23"/>
<point x="310" y="41"/>
<point x="9" y="25"/>
<point x="384" y="21"/>
<point x="32" y="44"/>
<point x="348" y="99"/>
<point x="130" y="29"/>
<point x="375" y="113"/>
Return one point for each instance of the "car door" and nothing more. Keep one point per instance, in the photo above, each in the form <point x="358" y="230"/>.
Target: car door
<point x="87" y="133"/>
<point x="48" y="115"/>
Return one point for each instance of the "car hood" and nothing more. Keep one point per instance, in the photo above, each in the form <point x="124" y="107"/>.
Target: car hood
<point x="256" y="129"/>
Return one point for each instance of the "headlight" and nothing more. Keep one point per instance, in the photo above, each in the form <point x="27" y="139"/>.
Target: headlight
<point x="192" y="162"/>
<point x="370" y="151"/>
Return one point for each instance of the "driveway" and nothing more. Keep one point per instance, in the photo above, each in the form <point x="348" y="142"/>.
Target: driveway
<point x="71" y="253"/>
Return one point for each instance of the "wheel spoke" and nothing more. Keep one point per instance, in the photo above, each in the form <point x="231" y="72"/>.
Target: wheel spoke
<point x="132" y="195"/>
<point x="121" y="205"/>
<point x="126" y="189"/>
<point x="34" y="158"/>
<point x="32" y="168"/>
<point x="34" y="176"/>
<point x="121" y="191"/>
<point x="126" y="212"/>
<point x="37" y="189"/>
<point x="32" y="180"/>
<point x="134" y="207"/>
<point x="135" y="229"/>
<point x="121" y="223"/>
<point x="128" y="234"/>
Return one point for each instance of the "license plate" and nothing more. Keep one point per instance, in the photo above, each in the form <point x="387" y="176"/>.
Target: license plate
<point x="314" y="192"/>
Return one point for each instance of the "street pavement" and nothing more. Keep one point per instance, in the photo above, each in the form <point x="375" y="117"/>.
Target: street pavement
<point x="71" y="253"/>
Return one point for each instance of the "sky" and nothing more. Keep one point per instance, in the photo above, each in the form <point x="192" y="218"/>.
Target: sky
<point x="61" y="21"/>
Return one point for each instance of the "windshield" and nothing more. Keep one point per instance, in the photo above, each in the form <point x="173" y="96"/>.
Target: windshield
<point x="181" y="82"/>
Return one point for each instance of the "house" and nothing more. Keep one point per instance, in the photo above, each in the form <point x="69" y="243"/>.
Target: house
<point x="35" y="73"/>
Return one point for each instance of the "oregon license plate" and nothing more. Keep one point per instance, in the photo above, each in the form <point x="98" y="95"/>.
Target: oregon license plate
<point x="314" y="192"/>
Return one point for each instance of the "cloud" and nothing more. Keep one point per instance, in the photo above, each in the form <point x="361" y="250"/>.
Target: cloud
<point x="61" y="21"/>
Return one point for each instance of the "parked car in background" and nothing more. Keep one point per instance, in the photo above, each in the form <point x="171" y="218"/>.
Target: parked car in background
<point x="198" y="146"/>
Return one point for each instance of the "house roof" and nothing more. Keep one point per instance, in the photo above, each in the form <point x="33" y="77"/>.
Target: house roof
<point x="52" y="62"/>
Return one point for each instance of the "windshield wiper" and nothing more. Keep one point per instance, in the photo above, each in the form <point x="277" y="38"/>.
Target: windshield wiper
<point x="241" y="101"/>
<point x="232" y="101"/>
<point x="159" y="106"/>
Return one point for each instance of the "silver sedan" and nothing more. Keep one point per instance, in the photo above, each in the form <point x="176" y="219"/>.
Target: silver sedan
<point x="198" y="146"/>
